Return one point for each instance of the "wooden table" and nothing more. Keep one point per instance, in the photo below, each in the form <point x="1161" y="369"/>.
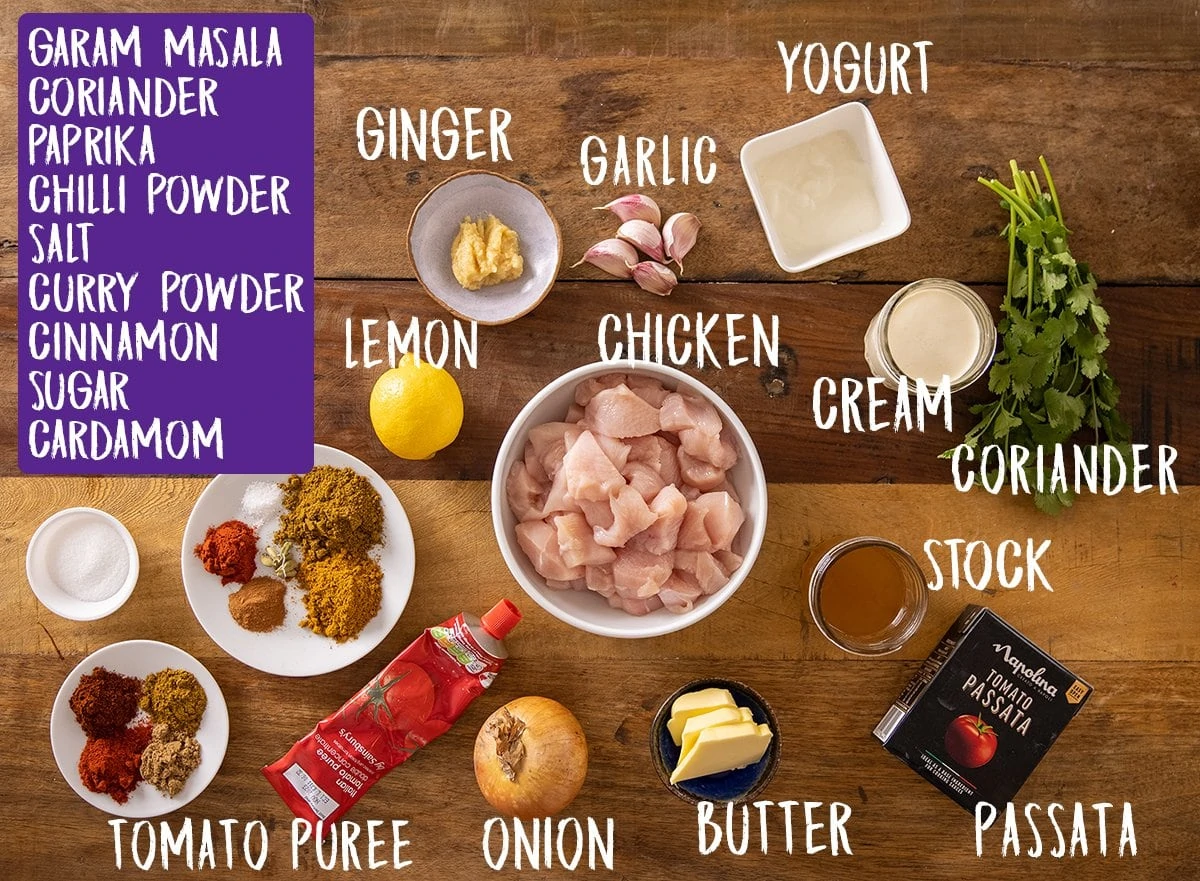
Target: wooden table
<point x="1106" y="91"/>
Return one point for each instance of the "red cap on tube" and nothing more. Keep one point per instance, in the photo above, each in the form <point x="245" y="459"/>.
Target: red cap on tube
<point x="501" y="618"/>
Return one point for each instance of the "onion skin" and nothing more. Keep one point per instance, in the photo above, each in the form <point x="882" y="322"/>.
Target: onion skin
<point x="554" y="766"/>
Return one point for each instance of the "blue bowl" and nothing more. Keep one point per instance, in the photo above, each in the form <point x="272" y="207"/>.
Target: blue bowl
<point x="740" y="785"/>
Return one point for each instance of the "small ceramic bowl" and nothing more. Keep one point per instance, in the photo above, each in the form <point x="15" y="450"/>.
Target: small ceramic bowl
<point x="476" y="194"/>
<point x="739" y="785"/>
<point x="58" y="528"/>
<point x="856" y="121"/>
<point x="585" y="609"/>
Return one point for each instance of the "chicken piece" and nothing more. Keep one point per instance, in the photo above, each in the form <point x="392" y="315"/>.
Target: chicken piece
<point x="574" y="414"/>
<point x="710" y="523"/>
<point x="539" y="540"/>
<point x="712" y="448"/>
<point x="550" y="443"/>
<point x="701" y="569"/>
<point x="669" y="507"/>
<point x="618" y="412"/>
<point x="587" y="389"/>
<point x="643" y="478"/>
<point x="577" y="584"/>
<point x="525" y="495"/>
<point x="635" y="606"/>
<point x="590" y="474"/>
<point x="536" y="470"/>
<point x="631" y="515"/>
<point x="729" y="561"/>
<point x="600" y="580"/>
<point x="683" y="410"/>
<point x="559" y="499"/>
<point x="599" y="514"/>
<point x="616" y="450"/>
<point x="639" y="573"/>
<point x="679" y="596"/>
<point x="576" y="543"/>
<point x="648" y="389"/>
<point x="698" y="473"/>
<point x="659" y="453"/>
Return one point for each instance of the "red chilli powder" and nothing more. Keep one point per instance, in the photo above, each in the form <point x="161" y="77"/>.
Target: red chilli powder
<point x="112" y="765"/>
<point x="230" y="551"/>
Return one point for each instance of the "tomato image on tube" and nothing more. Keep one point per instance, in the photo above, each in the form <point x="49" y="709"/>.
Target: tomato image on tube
<point x="413" y="700"/>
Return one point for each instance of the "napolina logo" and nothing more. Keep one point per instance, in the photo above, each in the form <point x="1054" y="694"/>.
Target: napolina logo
<point x="1032" y="676"/>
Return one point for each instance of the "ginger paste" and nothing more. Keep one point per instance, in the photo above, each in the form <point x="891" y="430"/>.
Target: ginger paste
<point x="485" y="252"/>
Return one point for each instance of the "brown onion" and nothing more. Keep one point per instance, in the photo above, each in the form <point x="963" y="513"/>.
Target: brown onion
<point x="531" y="758"/>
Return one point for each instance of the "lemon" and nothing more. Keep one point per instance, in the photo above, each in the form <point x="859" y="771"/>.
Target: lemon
<point x="416" y="409"/>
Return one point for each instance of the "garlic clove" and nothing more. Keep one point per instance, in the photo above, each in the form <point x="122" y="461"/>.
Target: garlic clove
<point x="654" y="277"/>
<point x="644" y="236"/>
<point x="613" y="256"/>
<point x="679" y="236"/>
<point x="634" y="207"/>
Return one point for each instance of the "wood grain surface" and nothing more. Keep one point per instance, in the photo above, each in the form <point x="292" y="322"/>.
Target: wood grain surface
<point x="1106" y="90"/>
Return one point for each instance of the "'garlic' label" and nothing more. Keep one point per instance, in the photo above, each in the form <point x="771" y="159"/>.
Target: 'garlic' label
<point x="648" y="162"/>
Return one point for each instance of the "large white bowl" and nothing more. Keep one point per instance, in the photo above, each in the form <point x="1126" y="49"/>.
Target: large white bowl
<point x="585" y="609"/>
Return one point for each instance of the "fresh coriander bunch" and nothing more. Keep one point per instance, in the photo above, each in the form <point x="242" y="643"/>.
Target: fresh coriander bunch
<point x="1049" y="375"/>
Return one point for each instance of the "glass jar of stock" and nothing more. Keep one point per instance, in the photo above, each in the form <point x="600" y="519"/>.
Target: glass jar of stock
<point x="866" y="594"/>
<point x="930" y="329"/>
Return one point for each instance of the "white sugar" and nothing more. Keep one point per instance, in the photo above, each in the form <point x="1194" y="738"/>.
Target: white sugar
<point x="88" y="560"/>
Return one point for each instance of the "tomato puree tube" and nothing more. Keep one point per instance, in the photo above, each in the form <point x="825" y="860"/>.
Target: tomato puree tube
<point x="413" y="700"/>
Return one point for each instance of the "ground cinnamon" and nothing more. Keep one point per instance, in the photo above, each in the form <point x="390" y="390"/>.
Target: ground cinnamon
<point x="259" y="604"/>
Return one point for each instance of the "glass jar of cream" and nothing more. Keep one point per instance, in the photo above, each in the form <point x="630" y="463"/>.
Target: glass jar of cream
<point x="931" y="329"/>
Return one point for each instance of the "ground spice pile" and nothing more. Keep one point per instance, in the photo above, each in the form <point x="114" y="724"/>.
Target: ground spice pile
<point x="330" y="510"/>
<point x="335" y="517"/>
<point x="259" y="604"/>
<point x="169" y="760"/>
<point x="230" y="550"/>
<point x="104" y="702"/>
<point x="174" y="698"/>
<point x="112" y="765"/>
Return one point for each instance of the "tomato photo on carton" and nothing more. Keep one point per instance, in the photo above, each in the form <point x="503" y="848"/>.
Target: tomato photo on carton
<point x="970" y="741"/>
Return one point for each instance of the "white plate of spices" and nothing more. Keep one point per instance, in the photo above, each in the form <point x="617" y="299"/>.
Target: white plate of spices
<point x="181" y="740"/>
<point x="299" y="575"/>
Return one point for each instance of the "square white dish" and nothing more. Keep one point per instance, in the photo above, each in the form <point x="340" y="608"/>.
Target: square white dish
<point x="855" y="120"/>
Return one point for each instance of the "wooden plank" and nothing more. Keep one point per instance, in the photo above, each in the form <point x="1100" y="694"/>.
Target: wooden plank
<point x="1125" y="566"/>
<point x="1154" y="356"/>
<point x="1162" y="30"/>
<point x="1122" y="746"/>
<point x="1126" y="194"/>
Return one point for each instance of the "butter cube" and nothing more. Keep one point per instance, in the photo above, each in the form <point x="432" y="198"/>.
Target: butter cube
<point x="723" y="748"/>
<point x="696" y="703"/>
<point x="722" y="716"/>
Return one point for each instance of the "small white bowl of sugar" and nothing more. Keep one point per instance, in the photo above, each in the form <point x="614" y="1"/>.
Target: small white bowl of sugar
<point x="82" y="564"/>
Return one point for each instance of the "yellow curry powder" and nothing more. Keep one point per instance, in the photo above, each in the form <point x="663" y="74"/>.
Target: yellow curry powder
<point x="342" y="594"/>
<point x="174" y="698"/>
<point x="330" y="510"/>
<point x="485" y="252"/>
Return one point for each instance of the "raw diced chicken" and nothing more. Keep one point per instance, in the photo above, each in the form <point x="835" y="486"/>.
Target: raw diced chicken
<point x="525" y="495"/>
<point x="700" y="474"/>
<point x="618" y="412"/>
<point x="630" y="516"/>
<point x="550" y="443"/>
<point x="590" y="473"/>
<point x="678" y="595"/>
<point x="599" y="514"/>
<point x="600" y="579"/>
<point x="710" y="523"/>
<point x="649" y="390"/>
<point x="668" y="507"/>
<point x="681" y="411"/>
<point x="539" y="540"/>
<point x="635" y="606"/>
<point x="702" y="569"/>
<point x="657" y="452"/>
<point x="643" y="478"/>
<point x="576" y="543"/>
<point x="587" y="389"/>
<point x="639" y="573"/>
<point x="616" y="450"/>
<point x="629" y="496"/>
<point x="558" y="497"/>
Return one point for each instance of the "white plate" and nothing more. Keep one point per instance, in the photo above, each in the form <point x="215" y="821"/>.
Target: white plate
<point x="291" y="650"/>
<point x="140" y="657"/>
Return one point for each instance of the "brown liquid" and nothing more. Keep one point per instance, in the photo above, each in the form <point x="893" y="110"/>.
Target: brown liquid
<point x="863" y="592"/>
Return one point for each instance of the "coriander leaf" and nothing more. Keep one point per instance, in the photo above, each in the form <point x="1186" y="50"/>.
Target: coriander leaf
<point x="1065" y="411"/>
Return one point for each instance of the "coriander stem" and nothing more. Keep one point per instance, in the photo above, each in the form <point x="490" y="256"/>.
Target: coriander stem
<point x="1010" y="197"/>
<point x="1053" y="192"/>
